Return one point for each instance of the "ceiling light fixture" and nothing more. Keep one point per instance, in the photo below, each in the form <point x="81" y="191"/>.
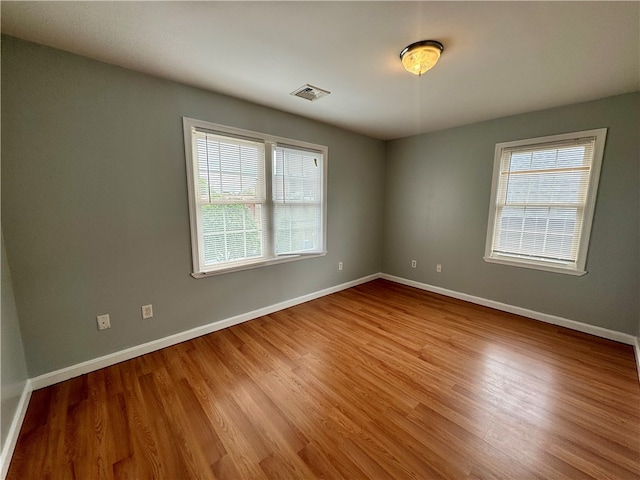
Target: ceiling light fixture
<point x="421" y="56"/>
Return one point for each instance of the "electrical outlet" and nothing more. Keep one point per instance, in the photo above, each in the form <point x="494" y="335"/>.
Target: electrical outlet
<point x="339" y="265"/>
<point x="414" y="263"/>
<point x="147" y="311"/>
<point x="438" y="268"/>
<point x="103" y="322"/>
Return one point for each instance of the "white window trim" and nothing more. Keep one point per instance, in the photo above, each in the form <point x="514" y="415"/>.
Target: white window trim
<point x="269" y="141"/>
<point x="577" y="268"/>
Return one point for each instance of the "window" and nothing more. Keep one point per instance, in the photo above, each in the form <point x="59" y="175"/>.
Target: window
<point x="254" y="199"/>
<point x="542" y="201"/>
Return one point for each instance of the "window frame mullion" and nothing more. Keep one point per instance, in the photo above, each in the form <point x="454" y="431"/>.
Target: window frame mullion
<point x="268" y="204"/>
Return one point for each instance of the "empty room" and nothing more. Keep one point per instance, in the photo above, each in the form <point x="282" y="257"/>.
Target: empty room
<point x="333" y="240"/>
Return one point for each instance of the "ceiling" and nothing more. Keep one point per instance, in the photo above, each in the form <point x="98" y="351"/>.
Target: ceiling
<point x="500" y="58"/>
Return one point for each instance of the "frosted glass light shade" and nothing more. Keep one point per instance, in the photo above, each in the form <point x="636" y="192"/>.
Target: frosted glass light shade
<point x="421" y="56"/>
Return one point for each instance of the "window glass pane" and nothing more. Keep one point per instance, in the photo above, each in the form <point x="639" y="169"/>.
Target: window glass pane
<point x="573" y="157"/>
<point x="297" y="228"/>
<point x="214" y="249"/>
<point x="538" y="232"/>
<point x="520" y="161"/>
<point x="229" y="168"/>
<point x="297" y="196"/>
<point x="232" y="232"/>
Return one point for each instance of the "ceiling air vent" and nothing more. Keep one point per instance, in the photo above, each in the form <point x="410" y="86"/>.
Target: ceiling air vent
<point x="309" y="92"/>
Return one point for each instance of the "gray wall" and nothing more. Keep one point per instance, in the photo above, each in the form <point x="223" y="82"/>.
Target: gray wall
<point x="13" y="371"/>
<point x="95" y="211"/>
<point x="437" y="201"/>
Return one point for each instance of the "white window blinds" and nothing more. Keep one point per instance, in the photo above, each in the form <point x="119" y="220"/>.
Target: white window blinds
<point x="297" y="198"/>
<point x="254" y="199"/>
<point x="543" y="200"/>
<point x="231" y="197"/>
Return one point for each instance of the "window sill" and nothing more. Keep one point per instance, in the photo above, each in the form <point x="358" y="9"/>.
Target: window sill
<point x="257" y="264"/>
<point x="547" y="267"/>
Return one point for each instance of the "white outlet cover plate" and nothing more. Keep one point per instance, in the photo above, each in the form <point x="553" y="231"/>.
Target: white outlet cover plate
<point x="103" y="322"/>
<point x="147" y="311"/>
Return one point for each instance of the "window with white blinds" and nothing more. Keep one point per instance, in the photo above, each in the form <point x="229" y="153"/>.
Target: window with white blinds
<point x="543" y="197"/>
<point x="254" y="199"/>
<point x="231" y="197"/>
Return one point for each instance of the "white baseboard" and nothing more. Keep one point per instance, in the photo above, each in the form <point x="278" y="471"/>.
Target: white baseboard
<point x="12" y="435"/>
<point x="107" y="360"/>
<point x="543" y="317"/>
<point x="636" y="349"/>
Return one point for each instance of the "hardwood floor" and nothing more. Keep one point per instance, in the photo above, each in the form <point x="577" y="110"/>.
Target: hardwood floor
<point x="378" y="381"/>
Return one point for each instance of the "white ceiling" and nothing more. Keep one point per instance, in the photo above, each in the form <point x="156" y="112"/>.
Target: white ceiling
<point x="500" y="58"/>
